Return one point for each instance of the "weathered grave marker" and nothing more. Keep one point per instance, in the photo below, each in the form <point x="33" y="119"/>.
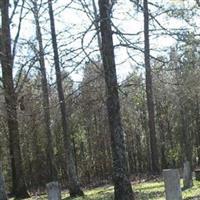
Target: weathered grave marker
<point x="187" y="175"/>
<point x="172" y="184"/>
<point x="197" y="174"/>
<point x="54" y="191"/>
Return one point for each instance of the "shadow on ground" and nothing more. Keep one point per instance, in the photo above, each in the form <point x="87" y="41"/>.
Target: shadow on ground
<point x="149" y="195"/>
<point x="193" y="198"/>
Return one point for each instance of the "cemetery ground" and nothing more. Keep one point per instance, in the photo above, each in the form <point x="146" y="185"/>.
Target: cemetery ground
<point x="144" y="190"/>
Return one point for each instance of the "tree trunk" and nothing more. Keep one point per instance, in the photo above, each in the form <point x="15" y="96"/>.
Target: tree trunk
<point x="3" y="195"/>
<point x="197" y="120"/>
<point x="162" y="129"/>
<point x="96" y="24"/>
<point x="18" y="186"/>
<point x="186" y="147"/>
<point x="149" y="93"/>
<point x="74" y="187"/>
<point x="45" y="98"/>
<point x="122" y="185"/>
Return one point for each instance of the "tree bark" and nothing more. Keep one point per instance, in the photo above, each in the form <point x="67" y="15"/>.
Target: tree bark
<point x="122" y="185"/>
<point x="149" y="93"/>
<point x="197" y="135"/>
<point x="74" y="187"/>
<point x="45" y="98"/>
<point x="18" y="184"/>
<point x="186" y="146"/>
<point x="3" y="195"/>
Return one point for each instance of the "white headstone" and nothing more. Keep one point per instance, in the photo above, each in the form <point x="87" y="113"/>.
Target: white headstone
<point x="54" y="191"/>
<point x="172" y="184"/>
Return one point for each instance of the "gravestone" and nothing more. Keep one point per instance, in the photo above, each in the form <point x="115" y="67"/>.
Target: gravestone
<point x="172" y="184"/>
<point x="187" y="175"/>
<point x="54" y="191"/>
<point x="197" y="174"/>
<point x="3" y="195"/>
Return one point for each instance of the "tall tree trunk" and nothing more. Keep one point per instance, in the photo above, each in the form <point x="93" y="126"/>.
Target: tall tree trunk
<point x="122" y="185"/>
<point x="96" y="24"/>
<point x="162" y="129"/>
<point x="164" y="162"/>
<point x="149" y="92"/>
<point x="197" y="136"/>
<point x="186" y="146"/>
<point x="3" y="195"/>
<point x="18" y="186"/>
<point x="74" y="187"/>
<point x="45" y="97"/>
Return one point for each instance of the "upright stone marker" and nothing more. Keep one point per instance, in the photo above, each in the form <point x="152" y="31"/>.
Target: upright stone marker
<point x="197" y="174"/>
<point x="54" y="191"/>
<point x="3" y="195"/>
<point x="187" y="175"/>
<point x="172" y="184"/>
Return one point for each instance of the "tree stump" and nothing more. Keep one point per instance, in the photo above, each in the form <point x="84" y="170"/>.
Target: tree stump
<point x="172" y="184"/>
<point x="197" y="174"/>
<point x="187" y="175"/>
<point x="3" y="195"/>
<point x="54" y="191"/>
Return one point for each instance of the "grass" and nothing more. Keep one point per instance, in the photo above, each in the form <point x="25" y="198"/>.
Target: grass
<point x="151" y="190"/>
<point x="155" y="191"/>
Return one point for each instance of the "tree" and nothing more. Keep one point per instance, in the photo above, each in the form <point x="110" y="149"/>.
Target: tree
<point x="3" y="195"/>
<point x="45" y="96"/>
<point x="18" y="184"/>
<point x="122" y="185"/>
<point x="74" y="187"/>
<point x="149" y="93"/>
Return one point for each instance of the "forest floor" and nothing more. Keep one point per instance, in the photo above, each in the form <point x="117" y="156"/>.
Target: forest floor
<point x="150" y="190"/>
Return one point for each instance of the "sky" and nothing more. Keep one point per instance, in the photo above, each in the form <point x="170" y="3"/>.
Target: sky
<point x="71" y="21"/>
